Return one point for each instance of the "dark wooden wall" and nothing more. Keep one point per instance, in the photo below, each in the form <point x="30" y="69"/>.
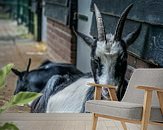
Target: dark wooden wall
<point x="148" y="48"/>
<point x="61" y="41"/>
<point x="58" y="10"/>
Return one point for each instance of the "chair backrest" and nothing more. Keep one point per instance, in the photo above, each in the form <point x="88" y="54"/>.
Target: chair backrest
<point x="148" y="77"/>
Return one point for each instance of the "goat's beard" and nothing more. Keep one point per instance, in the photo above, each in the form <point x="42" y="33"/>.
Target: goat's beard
<point x="105" y="94"/>
<point x="105" y="91"/>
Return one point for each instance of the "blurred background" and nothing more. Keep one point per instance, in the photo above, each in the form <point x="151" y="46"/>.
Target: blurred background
<point x="42" y="29"/>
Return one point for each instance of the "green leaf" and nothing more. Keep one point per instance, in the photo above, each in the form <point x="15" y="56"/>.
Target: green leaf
<point x="9" y="126"/>
<point x="24" y="97"/>
<point x="4" y="72"/>
<point x="20" y="99"/>
<point x="5" y="107"/>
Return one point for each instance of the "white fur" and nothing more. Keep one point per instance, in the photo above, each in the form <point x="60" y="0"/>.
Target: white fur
<point x="108" y="52"/>
<point x="71" y="98"/>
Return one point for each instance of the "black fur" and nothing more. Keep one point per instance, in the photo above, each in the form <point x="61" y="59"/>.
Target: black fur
<point x="35" y="80"/>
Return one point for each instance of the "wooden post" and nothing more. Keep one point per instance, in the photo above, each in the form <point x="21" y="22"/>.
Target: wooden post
<point x="146" y="109"/>
<point x="94" y="123"/>
<point x="97" y="94"/>
<point x="112" y="94"/>
<point x="160" y="98"/>
<point x="113" y="97"/>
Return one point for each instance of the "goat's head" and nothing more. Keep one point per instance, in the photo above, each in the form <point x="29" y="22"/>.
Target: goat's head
<point x="22" y="81"/>
<point x="109" y="52"/>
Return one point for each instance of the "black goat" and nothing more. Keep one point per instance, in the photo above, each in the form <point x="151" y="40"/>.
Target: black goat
<point x="35" y="80"/>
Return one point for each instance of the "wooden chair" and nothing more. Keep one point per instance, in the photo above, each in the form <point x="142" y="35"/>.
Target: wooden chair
<point x="141" y="104"/>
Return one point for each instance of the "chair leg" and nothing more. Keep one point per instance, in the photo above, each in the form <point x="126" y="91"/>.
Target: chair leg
<point x="124" y="125"/>
<point x="144" y="126"/>
<point x="146" y="109"/>
<point x="94" y="122"/>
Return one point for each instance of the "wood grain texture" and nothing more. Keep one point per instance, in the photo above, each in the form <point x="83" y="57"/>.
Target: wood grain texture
<point x="149" y="11"/>
<point x="113" y="97"/>
<point x="160" y="98"/>
<point x="94" y="121"/>
<point x="101" y="85"/>
<point x="146" y="109"/>
<point x="57" y="13"/>
<point x="97" y="94"/>
<point x="148" y="46"/>
<point x="119" y="119"/>
<point x="124" y="125"/>
<point x="56" y="121"/>
<point x="112" y="94"/>
<point x="58" y="2"/>
<point x="150" y="88"/>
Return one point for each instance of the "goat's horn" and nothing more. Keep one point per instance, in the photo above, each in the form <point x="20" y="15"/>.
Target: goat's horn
<point x="100" y="25"/>
<point x="29" y="63"/>
<point x="120" y="25"/>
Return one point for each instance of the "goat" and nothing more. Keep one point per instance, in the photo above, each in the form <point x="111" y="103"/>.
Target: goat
<point x="68" y="93"/>
<point x="108" y="63"/>
<point x="109" y="53"/>
<point x="35" y="80"/>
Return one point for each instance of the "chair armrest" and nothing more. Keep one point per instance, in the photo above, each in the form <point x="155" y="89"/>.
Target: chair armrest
<point x="98" y="87"/>
<point x="148" y="97"/>
<point x="101" y="85"/>
<point x="147" y="88"/>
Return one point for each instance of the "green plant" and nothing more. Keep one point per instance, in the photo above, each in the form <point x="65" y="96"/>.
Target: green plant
<point x="18" y="99"/>
<point x="4" y="72"/>
<point x="9" y="126"/>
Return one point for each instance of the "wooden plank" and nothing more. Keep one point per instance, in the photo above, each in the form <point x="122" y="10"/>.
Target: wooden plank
<point x="54" y="12"/>
<point x="146" y="109"/>
<point x="94" y="121"/>
<point x="124" y="125"/>
<point x="150" y="11"/>
<point x="150" y="88"/>
<point x="119" y="119"/>
<point x="112" y="94"/>
<point x="148" y="45"/>
<point x="127" y="120"/>
<point x="97" y="94"/>
<point x="160" y="98"/>
<point x="58" y="2"/>
<point x="101" y="85"/>
<point x="55" y="121"/>
<point x="44" y="116"/>
<point x="113" y="97"/>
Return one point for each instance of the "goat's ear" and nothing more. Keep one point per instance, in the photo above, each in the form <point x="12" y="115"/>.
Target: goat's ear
<point x="87" y="39"/>
<point x="131" y="37"/>
<point x="16" y="72"/>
